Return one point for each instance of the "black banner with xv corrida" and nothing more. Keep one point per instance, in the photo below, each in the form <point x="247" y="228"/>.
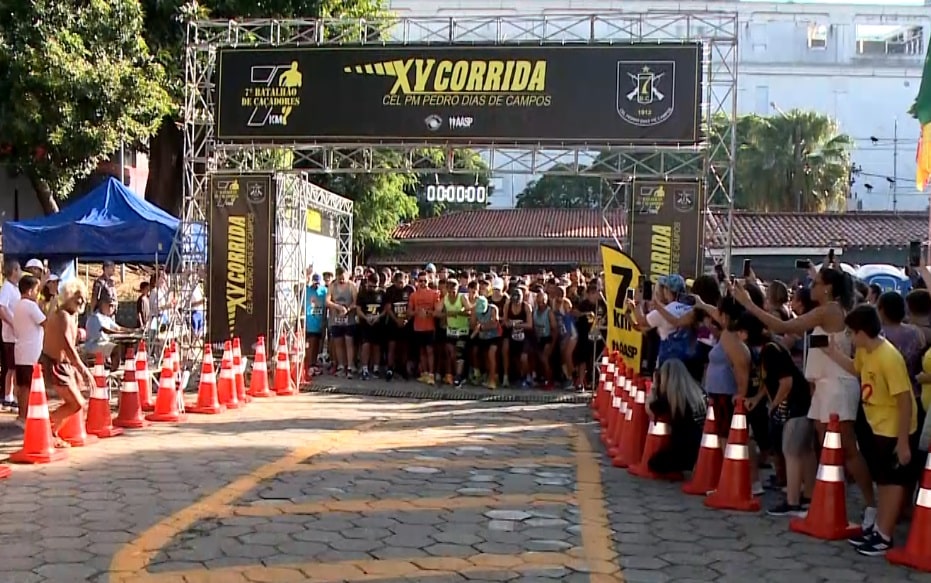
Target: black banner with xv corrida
<point x="637" y="93"/>
<point x="241" y="260"/>
<point x="666" y="228"/>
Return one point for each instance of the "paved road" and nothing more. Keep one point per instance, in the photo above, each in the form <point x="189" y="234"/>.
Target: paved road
<point x="346" y="488"/>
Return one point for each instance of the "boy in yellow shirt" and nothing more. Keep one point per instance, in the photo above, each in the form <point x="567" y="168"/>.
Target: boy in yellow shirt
<point x="889" y="438"/>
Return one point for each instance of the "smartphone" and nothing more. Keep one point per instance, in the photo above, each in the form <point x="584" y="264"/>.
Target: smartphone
<point x="719" y="270"/>
<point x="802" y="263"/>
<point x="647" y="290"/>
<point x="830" y="256"/>
<point x="631" y="293"/>
<point x="818" y="341"/>
<point x="747" y="270"/>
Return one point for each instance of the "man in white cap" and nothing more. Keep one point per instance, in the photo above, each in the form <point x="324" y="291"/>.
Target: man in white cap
<point x="35" y="268"/>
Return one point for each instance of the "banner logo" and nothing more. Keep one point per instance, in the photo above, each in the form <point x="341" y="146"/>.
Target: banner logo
<point x="646" y="92"/>
<point x="622" y="274"/>
<point x="273" y="94"/>
<point x="624" y="94"/>
<point x="666" y="228"/>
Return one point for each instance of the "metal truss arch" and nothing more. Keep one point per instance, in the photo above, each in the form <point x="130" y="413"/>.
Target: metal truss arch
<point x="711" y="161"/>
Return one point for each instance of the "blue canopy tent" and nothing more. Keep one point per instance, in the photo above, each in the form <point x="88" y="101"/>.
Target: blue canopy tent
<point x="110" y="223"/>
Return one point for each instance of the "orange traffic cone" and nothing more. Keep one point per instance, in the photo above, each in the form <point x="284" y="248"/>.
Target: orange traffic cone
<point x="658" y="438"/>
<point x="608" y="408"/>
<point x="5" y="472"/>
<point x="226" y="385"/>
<point x="208" y="400"/>
<point x="38" y="443"/>
<point x="628" y="395"/>
<point x="733" y="491"/>
<point x="710" y="459"/>
<point x="827" y="515"/>
<point x="297" y="356"/>
<point x="916" y="554"/>
<point x="617" y="408"/>
<point x="635" y="428"/>
<point x="258" y="384"/>
<point x="99" y="419"/>
<point x="143" y="381"/>
<point x="166" y="402"/>
<point x="597" y="396"/>
<point x="239" y="381"/>
<point x="175" y="368"/>
<point x="607" y="393"/>
<point x="130" y="409"/>
<point x="283" y="386"/>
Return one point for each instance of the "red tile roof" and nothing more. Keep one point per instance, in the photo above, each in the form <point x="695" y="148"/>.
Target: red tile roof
<point x="527" y="224"/>
<point x="751" y="229"/>
<point x="860" y="229"/>
<point x="476" y="255"/>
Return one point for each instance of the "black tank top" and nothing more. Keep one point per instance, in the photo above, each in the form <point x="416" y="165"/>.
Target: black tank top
<point x="516" y="333"/>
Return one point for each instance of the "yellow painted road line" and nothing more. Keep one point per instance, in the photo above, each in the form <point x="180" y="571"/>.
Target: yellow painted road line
<point x="418" y="441"/>
<point x="597" y="543"/>
<point x="371" y="570"/>
<point x="130" y="562"/>
<point x="429" y="461"/>
<point x="368" y="505"/>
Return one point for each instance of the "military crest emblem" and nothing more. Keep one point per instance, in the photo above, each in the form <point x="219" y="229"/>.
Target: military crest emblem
<point x="646" y="91"/>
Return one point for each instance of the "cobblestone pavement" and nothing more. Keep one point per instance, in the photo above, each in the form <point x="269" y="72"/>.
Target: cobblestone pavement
<point x="348" y="488"/>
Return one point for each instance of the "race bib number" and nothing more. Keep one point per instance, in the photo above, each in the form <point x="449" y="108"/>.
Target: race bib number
<point x="595" y="335"/>
<point x="316" y="312"/>
<point x="517" y="335"/>
<point x="341" y="320"/>
<point x="455" y="333"/>
<point x="400" y="310"/>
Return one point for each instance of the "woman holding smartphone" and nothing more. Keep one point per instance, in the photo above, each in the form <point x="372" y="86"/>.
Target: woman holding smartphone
<point x="836" y="390"/>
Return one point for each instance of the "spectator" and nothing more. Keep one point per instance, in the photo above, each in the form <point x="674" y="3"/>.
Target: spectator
<point x="9" y="296"/>
<point x="143" y="306"/>
<point x="105" y="285"/>
<point x="48" y="299"/>
<point x="99" y="327"/>
<point x="35" y="268"/>
<point x="28" y="321"/>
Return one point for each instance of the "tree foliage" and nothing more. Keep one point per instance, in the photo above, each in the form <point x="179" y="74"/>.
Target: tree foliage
<point x="76" y="78"/>
<point x="792" y="162"/>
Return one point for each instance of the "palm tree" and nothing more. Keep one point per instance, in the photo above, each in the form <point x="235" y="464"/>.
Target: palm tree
<point x="796" y="161"/>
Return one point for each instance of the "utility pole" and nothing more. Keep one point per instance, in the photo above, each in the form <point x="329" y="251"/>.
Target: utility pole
<point x="895" y="164"/>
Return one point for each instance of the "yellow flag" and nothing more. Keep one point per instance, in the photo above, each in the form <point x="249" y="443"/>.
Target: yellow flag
<point x="622" y="276"/>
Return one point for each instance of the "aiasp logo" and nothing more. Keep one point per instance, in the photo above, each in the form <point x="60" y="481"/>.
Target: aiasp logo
<point x="273" y="94"/>
<point x="226" y="192"/>
<point x="646" y="91"/>
<point x="648" y="200"/>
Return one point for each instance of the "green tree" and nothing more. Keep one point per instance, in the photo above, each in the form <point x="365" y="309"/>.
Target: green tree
<point x="76" y="78"/>
<point x="797" y="161"/>
<point x="562" y="187"/>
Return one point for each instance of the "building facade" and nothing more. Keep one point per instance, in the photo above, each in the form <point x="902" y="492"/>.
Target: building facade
<point x="860" y="64"/>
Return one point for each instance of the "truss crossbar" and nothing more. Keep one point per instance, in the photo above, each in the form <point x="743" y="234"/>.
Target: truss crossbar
<point x="712" y="161"/>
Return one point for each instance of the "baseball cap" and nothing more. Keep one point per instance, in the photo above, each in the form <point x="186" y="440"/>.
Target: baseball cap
<point x="34" y="263"/>
<point x="53" y="277"/>
<point x="316" y="278"/>
<point x="430" y="268"/>
<point x="497" y="283"/>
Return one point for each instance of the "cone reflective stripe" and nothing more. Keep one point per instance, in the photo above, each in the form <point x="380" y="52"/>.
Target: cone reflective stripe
<point x="710" y="459"/>
<point x="916" y="553"/>
<point x="635" y="431"/>
<point x="99" y="420"/>
<point x="283" y="385"/>
<point x="258" y="381"/>
<point x="605" y="404"/>
<point x="38" y="442"/>
<point x="602" y="365"/>
<point x="129" y="414"/>
<point x="827" y="514"/>
<point x="734" y="491"/>
<point x="226" y="385"/>
<point x="208" y="398"/>
<point x="614" y="417"/>
<point x="166" y="402"/>
<point x="238" y="381"/>
<point x="625" y="409"/>
<point x="658" y="438"/>
<point x="142" y="379"/>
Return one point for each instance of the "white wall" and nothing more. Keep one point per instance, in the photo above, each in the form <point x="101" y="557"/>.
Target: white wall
<point x="866" y="94"/>
<point x="17" y="198"/>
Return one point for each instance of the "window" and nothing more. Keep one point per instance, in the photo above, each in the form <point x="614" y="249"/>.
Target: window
<point x="890" y="40"/>
<point x="817" y="36"/>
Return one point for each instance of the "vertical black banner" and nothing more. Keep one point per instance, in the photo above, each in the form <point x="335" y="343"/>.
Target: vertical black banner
<point x="241" y="260"/>
<point x="666" y="228"/>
